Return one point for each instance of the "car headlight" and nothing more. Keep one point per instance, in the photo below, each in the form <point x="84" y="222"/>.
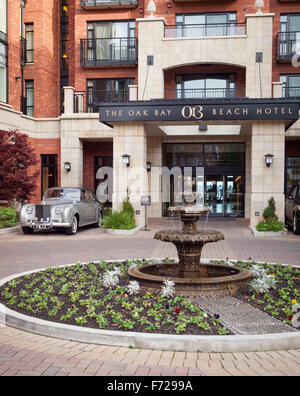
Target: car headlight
<point x="58" y="211"/>
<point x="29" y="209"/>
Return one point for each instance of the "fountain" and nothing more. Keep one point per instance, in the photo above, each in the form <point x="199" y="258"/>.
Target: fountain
<point x="191" y="275"/>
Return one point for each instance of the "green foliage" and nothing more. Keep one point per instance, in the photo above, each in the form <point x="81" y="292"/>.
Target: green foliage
<point x="270" y="222"/>
<point x="8" y="217"/>
<point x="128" y="208"/>
<point x="119" y="221"/>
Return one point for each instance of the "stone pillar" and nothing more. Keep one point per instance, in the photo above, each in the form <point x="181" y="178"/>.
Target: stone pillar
<point x="154" y="177"/>
<point x="131" y="139"/>
<point x="268" y="137"/>
<point x="133" y="92"/>
<point x="150" y="77"/>
<point x="69" y="100"/>
<point x="260" y="40"/>
<point x="277" y="89"/>
<point x="71" y="151"/>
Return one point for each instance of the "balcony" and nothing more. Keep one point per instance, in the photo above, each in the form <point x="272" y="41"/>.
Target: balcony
<point x="103" y="52"/>
<point x="207" y="30"/>
<point x="213" y="93"/>
<point x="291" y="92"/>
<point x="96" y="4"/>
<point x="89" y="101"/>
<point x="288" y="45"/>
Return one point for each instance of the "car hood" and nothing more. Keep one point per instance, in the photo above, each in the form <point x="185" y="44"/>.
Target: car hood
<point x="56" y="202"/>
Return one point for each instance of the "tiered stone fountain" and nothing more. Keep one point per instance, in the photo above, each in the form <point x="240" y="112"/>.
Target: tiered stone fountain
<point x="191" y="275"/>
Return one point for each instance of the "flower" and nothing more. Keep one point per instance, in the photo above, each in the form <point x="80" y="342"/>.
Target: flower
<point x="294" y="301"/>
<point x="133" y="287"/>
<point x="216" y="316"/>
<point x="290" y="317"/>
<point x="168" y="289"/>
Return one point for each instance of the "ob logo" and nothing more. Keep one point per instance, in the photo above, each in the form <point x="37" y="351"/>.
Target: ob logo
<point x="195" y="112"/>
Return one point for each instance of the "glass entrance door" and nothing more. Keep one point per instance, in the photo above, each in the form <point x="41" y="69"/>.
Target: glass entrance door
<point x="224" y="194"/>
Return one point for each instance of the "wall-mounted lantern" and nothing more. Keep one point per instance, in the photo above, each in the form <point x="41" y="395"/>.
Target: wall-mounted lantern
<point x="126" y="159"/>
<point x="269" y="160"/>
<point x="67" y="166"/>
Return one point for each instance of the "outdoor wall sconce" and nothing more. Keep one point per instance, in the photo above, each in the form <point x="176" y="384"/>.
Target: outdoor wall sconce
<point x="126" y="159"/>
<point x="148" y="166"/>
<point x="269" y="159"/>
<point x="67" y="166"/>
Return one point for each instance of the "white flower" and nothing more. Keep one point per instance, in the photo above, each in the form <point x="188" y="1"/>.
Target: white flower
<point x="257" y="271"/>
<point x="168" y="289"/>
<point x="110" y="279"/>
<point x="133" y="287"/>
<point x="117" y="271"/>
<point x="133" y="265"/>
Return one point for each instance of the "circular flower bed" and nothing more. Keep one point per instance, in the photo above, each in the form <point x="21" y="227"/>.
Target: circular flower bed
<point x="101" y="295"/>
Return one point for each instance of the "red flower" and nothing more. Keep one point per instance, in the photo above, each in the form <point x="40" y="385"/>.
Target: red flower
<point x="177" y="310"/>
<point x="290" y="317"/>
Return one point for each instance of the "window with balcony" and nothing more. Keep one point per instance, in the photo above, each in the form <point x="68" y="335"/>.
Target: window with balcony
<point x="291" y="86"/>
<point x="3" y="67"/>
<point x="204" y="86"/>
<point x="288" y="40"/>
<point x="29" y="42"/>
<point x="102" y="90"/>
<point x="205" y="25"/>
<point x="109" y="43"/>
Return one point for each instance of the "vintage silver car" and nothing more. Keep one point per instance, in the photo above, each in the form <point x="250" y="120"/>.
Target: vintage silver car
<point x="62" y="207"/>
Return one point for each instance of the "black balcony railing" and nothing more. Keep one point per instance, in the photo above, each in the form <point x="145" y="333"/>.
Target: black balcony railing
<point x="291" y="92"/>
<point x="214" y="93"/>
<point x="89" y="101"/>
<point x="108" y="51"/>
<point x="91" y="4"/>
<point x="206" y="30"/>
<point x="288" y="45"/>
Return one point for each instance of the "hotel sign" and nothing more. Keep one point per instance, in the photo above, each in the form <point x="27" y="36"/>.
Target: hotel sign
<point x="166" y="111"/>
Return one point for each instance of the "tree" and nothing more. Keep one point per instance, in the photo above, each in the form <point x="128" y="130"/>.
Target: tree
<point x="17" y="181"/>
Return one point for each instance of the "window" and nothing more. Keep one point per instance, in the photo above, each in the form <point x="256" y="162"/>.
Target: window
<point x="29" y="89"/>
<point x="289" y="36"/>
<point x="292" y="172"/>
<point x="107" y="90"/>
<point x="205" y="86"/>
<point x="290" y="23"/>
<point x="201" y="25"/>
<point x="291" y="85"/>
<point x="3" y="52"/>
<point x="29" y="42"/>
<point x="111" y="40"/>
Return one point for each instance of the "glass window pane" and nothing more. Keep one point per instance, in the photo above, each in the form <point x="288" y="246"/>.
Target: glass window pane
<point x="294" y="23"/>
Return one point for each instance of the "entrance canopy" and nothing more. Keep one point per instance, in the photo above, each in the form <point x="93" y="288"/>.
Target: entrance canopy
<point x="193" y="111"/>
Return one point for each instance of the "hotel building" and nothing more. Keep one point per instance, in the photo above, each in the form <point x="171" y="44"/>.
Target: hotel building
<point x="170" y="83"/>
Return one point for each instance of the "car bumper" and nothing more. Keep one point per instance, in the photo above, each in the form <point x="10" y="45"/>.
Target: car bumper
<point x="44" y="225"/>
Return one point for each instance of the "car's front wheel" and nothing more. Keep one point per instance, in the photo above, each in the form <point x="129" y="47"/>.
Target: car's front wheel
<point x="74" y="227"/>
<point x="27" y="230"/>
<point x="296" y="225"/>
<point x="99" y="222"/>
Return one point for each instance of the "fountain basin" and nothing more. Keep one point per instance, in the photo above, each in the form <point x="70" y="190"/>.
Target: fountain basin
<point x="211" y="279"/>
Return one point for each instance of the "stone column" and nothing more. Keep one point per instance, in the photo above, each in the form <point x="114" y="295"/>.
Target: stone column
<point x="69" y="100"/>
<point x="277" y="89"/>
<point x="130" y="138"/>
<point x="268" y="137"/>
<point x="260" y="40"/>
<point x="150" y="77"/>
<point x="71" y="151"/>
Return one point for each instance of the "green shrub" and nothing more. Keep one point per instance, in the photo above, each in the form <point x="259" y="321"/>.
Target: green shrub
<point x="270" y="222"/>
<point x="8" y="217"/>
<point x="274" y="226"/>
<point x="128" y="208"/>
<point x="119" y="221"/>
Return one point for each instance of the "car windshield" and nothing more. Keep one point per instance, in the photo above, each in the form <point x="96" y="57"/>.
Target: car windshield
<point x="66" y="193"/>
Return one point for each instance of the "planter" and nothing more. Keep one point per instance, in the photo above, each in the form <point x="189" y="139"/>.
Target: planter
<point x="122" y="232"/>
<point x="267" y="233"/>
<point x="9" y="229"/>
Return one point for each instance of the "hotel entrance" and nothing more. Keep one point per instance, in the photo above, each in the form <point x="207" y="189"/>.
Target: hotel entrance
<point x="222" y="187"/>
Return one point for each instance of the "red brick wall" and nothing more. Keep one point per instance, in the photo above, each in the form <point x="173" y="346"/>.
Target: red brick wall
<point x="45" y="69"/>
<point x="91" y="150"/>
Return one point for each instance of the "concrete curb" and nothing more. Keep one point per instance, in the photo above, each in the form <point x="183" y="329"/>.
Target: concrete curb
<point x="111" y="231"/>
<point x="188" y="343"/>
<point x="10" y="229"/>
<point x="267" y="233"/>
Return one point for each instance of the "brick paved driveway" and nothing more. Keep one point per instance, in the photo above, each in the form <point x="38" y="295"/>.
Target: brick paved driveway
<point x="24" y="353"/>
